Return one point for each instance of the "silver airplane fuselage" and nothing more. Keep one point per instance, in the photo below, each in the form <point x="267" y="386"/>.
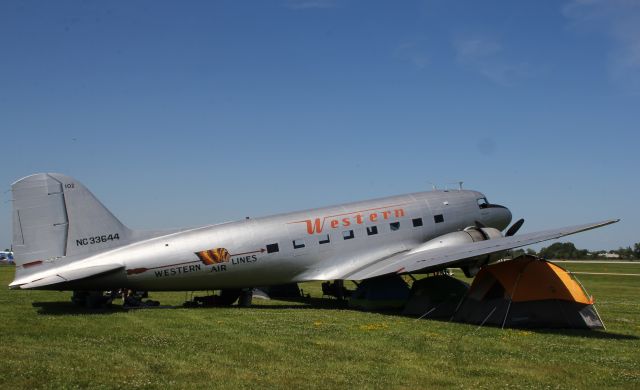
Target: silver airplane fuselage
<point x="316" y="244"/>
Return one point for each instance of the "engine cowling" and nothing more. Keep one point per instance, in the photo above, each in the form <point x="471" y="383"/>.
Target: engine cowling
<point x="468" y="235"/>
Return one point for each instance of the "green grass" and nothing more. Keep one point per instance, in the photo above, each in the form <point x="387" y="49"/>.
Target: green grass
<point x="602" y="266"/>
<point x="46" y="343"/>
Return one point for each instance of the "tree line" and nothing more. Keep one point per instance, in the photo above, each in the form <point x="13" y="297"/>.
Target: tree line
<point x="567" y="250"/>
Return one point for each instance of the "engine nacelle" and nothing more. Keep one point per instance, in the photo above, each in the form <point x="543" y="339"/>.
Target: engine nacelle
<point x="466" y="236"/>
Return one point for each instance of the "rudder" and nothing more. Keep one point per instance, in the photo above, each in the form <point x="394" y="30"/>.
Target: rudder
<point x="55" y="217"/>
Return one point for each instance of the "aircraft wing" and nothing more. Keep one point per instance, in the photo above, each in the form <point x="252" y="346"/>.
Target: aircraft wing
<point x="418" y="259"/>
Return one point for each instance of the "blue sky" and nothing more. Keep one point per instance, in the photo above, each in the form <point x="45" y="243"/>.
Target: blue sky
<point x="180" y="114"/>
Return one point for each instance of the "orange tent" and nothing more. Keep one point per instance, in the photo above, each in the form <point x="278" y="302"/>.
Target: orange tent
<point x="528" y="292"/>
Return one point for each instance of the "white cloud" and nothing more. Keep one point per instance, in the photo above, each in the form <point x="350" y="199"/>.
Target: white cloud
<point x="485" y="56"/>
<point x="620" y="21"/>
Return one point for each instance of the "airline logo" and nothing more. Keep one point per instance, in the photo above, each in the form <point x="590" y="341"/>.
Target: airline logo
<point x="214" y="256"/>
<point x="218" y="256"/>
<point x="317" y="225"/>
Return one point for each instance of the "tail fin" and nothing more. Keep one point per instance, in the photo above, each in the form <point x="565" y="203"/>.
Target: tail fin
<point x="55" y="217"/>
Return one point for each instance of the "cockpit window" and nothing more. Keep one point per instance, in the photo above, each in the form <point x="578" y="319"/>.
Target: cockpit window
<point x="482" y="203"/>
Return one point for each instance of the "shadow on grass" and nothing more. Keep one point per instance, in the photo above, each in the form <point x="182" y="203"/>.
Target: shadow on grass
<point x="68" y="308"/>
<point x="591" y="334"/>
<point x="303" y="303"/>
<point x="584" y="333"/>
<point x="334" y="304"/>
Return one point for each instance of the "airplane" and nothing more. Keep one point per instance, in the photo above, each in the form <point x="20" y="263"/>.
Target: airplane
<point x="65" y="239"/>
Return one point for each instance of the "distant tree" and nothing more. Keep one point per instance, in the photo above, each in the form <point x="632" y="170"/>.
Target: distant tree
<point x="636" y="250"/>
<point x="544" y="253"/>
<point x="625" y="253"/>
<point x="562" y="250"/>
<point x="531" y="252"/>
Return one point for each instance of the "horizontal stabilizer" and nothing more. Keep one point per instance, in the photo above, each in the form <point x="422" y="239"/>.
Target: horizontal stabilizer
<point x="46" y="281"/>
<point x="62" y="275"/>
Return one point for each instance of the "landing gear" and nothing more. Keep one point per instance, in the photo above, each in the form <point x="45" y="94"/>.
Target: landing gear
<point x="336" y="289"/>
<point x="227" y="297"/>
<point x="245" y="297"/>
<point x="131" y="298"/>
<point x="91" y="299"/>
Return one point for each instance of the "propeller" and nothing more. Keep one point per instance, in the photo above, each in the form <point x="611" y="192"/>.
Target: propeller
<point x="514" y="228"/>
<point x="480" y="226"/>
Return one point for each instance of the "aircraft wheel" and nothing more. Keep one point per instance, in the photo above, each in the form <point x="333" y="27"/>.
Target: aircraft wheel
<point x="228" y="296"/>
<point x="95" y="300"/>
<point x="79" y="298"/>
<point x="90" y="299"/>
<point x="245" y="297"/>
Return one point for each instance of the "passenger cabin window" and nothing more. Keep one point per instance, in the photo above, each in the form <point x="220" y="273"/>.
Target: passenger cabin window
<point x="371" y="230"/>
<point x="272" y="248"/>
<point x="324" y="239"/>
<point x="297" y="244"/>
<point x="482" y="203"/>
<point x="348" y="234"/>
<point x="394" y="226"/>
<point x="417" y="222"/>
<point x="438" y="218"/>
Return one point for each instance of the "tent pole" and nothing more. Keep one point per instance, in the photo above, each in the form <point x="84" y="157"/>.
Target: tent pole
<point x="432" y="309"/>
<point x="458" y="307"/>
<point x="515" y="285"/>
<point x="589" y="295"/>
<point x="580" y="284"/>
<point x="425" y="314"/>
<point x="486" y="318"/>
<point x="504" y="320"/>
<point x="600" y="318"/>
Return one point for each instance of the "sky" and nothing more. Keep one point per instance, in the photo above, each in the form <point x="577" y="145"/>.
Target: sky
<point x="180" y="114"/>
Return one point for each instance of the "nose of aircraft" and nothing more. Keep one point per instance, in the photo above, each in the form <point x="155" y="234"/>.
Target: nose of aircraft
<point x="504" y="217"/>
<point x="500" y="216"/>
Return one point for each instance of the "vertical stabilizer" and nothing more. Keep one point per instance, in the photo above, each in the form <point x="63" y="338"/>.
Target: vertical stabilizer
<point x="57" y="219"/>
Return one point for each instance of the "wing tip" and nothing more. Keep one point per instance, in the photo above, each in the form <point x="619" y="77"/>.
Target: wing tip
<point x="607" y="222"/>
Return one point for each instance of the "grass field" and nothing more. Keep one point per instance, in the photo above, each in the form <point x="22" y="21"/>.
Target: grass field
<point x="47" y="343"/>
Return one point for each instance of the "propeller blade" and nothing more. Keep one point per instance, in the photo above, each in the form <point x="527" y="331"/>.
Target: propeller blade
<point x="480" y="226"/>
<point x="514" y="228"/>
